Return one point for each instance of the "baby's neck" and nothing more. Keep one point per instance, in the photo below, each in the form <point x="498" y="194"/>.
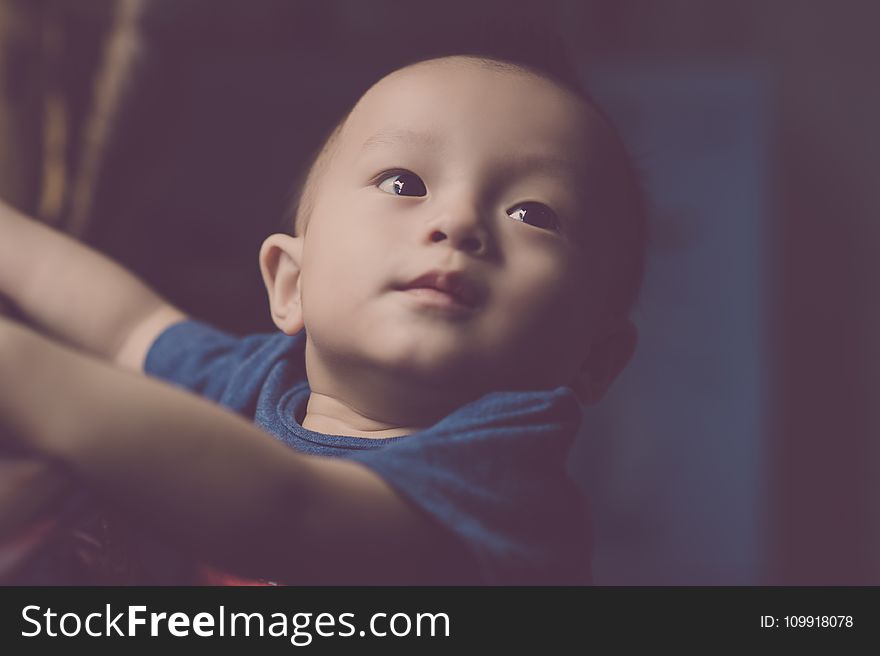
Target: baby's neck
<point x="360" y="400"/>
<point x="331" y="416"/>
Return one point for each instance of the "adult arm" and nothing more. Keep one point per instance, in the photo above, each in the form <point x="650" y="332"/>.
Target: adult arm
<point x="30" y="490"/>
<point x="76" y="294"/>
<point x="208" y="478"/>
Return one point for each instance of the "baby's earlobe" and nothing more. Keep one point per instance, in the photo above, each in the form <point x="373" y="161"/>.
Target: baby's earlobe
<point x="279" y="264"/>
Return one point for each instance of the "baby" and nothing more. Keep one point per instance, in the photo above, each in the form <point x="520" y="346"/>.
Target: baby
<point x="465" y="252"/>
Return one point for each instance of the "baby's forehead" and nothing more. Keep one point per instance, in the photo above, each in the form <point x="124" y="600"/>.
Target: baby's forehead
<point x="459" y="97"/>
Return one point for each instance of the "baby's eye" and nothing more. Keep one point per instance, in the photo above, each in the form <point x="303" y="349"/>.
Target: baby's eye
<point x="535" y="214"/>
<point x="402" y="183"/>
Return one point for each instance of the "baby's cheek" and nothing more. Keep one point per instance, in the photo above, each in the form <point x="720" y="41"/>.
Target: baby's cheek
<point x="542" y="283"/>
<point x="546" y="306"/>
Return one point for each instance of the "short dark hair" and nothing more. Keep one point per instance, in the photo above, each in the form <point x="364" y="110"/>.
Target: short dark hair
<point x="615" y="185"/>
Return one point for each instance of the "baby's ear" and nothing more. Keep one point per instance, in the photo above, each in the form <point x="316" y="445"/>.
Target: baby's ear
<point x="280" y="259"/>
<point x="611" y="350"/>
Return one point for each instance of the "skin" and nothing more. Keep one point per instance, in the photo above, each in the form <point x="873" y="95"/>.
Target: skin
<point x="483" y="140"/>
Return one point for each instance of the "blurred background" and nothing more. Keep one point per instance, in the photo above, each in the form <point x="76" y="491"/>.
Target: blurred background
<point x="740" y="447"/>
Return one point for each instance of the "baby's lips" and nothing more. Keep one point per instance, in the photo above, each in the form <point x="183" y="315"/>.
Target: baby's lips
<point x="454" y="283"/>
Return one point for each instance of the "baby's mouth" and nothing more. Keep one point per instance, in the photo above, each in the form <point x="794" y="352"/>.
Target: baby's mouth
<point x="450" y="288"/>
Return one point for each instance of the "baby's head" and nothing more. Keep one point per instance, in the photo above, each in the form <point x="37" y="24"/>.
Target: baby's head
<point x="472" y="225"/>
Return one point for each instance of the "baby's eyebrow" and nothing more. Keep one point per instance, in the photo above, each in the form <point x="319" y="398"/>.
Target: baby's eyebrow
<point x="518" y="162"/>
<point x="407" y="137"/>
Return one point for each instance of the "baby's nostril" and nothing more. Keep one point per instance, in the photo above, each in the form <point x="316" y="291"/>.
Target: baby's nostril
<point x="438" y="236"/>
<point x="471" y="244"/>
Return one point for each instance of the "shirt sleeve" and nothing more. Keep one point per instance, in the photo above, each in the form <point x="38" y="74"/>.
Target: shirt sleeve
<point x="222" y="367"/>
<point x="493" y="473"/>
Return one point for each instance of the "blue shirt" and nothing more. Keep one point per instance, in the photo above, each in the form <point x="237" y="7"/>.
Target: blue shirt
<point x="492" y="472"/>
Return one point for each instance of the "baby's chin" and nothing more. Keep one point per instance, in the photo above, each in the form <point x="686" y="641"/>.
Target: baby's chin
<point x="430" y="363"/>
<point x="461" y="378"/>
<point x="426" y="361"/>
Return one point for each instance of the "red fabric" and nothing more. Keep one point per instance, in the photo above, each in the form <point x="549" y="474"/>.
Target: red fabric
<point x="17" y="548"/>
<point x="207" y="575"/>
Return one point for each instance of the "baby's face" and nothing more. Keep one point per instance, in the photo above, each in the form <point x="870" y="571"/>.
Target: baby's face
<point x="445" y="243"/>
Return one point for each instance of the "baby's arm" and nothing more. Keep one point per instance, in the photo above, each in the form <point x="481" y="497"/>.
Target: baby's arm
<point x="76" y="294"/>
<point x="235" y="496"/>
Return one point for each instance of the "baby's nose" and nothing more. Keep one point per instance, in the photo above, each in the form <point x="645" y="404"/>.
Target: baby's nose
<point x="465" y="231"/>
<point x="472" y="244"/>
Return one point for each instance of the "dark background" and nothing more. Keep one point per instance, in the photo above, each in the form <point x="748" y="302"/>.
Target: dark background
<point x="169" y="133"/>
